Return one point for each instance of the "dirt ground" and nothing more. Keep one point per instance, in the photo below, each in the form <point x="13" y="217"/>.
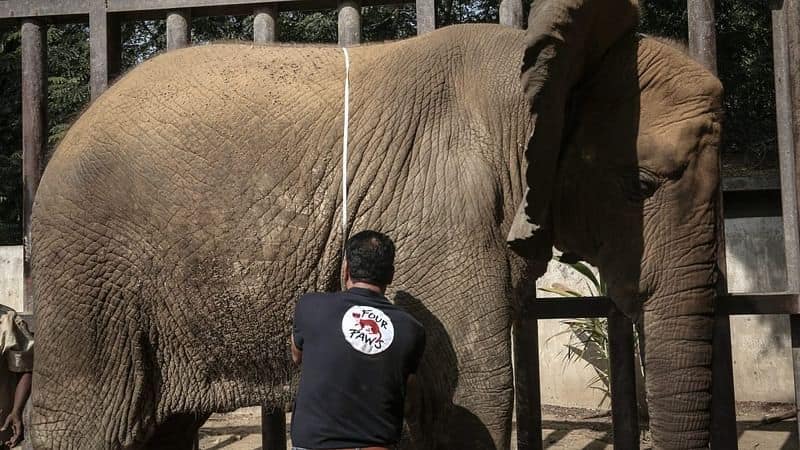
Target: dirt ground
<point x="564" y="429"/>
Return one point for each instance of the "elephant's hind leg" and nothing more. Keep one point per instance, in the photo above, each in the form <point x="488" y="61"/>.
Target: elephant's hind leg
<point x="178" y="432"/>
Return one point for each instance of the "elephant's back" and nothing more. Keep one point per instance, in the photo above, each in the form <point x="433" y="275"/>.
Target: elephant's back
<point x="198" y="159"/>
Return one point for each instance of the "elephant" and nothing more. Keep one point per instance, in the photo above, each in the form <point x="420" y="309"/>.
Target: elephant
<point x="190" y="205"/>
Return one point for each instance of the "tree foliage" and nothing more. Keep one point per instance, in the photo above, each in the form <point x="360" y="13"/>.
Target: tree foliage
<point x="744" y="48"/>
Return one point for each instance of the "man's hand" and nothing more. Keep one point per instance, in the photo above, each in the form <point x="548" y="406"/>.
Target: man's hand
<point x="297" y="354"/>
<point x="14" y="421"/>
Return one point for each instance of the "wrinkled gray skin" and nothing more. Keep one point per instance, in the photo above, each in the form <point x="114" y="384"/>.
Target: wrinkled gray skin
<point x="190" y="205"/>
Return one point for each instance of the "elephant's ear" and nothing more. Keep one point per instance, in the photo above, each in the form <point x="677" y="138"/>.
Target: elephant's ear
<point x="566" y="40"/>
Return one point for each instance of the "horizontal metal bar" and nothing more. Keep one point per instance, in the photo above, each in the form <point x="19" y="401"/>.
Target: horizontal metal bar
<point x="12" y="9"/>
<point x="570" y="307"/>
<point x="726" y="305"/>
<point x="758" y="304"/>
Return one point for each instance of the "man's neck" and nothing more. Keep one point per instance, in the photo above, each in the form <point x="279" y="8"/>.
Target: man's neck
<point x="372" y="287"/>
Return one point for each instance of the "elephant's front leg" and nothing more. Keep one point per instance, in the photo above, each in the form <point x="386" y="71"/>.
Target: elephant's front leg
<point x="466" y="373"/>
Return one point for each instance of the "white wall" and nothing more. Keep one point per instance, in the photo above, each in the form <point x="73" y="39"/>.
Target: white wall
<point x="11" y="276"/>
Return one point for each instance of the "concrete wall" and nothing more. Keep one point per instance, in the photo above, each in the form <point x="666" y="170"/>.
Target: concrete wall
<point x="761" y="344"/>
<point x="11" y="276"/>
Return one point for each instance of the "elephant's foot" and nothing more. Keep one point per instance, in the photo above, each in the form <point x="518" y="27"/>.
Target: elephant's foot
<point x="178" y="432"/>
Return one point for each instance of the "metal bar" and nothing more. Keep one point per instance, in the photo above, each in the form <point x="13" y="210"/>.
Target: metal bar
<point x="34" y="135"/>
<point x="757" y="304"/>
<point x="349" y="23"/>
<point x="179" y="28"/>
<point x="527" y="388"/>
<point x="511" y="13"/>
<point x="786" y="143"/>
<point x="703" y="47"/>
<point x="273" y="428"/>
<point x="265" y="24"/>
<point x="786" y="57"/>
<point x="426" y="16"/>
<point x="624" y="410"/>
<point x="702" y="33"/>
<point x="723" y="411"/>
<point x="571" y="307"/>
<point x="98" y="49"/>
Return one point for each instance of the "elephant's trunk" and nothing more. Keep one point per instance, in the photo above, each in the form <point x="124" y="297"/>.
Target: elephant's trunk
<point x="678" y="324"/>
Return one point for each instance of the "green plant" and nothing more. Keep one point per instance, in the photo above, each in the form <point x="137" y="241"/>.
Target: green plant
<point x="588" y="338"/>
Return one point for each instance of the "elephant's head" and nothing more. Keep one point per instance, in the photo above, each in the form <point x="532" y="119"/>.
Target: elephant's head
<point x="623" y="171"/>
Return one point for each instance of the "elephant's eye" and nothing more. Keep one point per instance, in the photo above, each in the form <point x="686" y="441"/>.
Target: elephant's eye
<point x="648" y="183"/>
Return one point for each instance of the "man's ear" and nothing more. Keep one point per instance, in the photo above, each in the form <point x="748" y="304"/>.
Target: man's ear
<point x="346" y="271"/>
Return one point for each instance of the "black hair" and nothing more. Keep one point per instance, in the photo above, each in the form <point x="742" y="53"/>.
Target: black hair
<point x="370" y="256"/>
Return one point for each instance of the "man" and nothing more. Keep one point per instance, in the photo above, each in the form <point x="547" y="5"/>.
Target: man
<point x="16" y="350"/>
<point x="359" y="353"/>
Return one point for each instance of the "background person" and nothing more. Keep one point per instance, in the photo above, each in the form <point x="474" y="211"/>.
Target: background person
<point x="16" y="349"/>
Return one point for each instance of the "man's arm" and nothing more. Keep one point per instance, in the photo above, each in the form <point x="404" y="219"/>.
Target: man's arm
<point x="412" y="398"/>
<point x="297" y="354"/>
<point x="14" y="419"/>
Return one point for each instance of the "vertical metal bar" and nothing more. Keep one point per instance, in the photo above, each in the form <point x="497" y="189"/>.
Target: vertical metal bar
<point x="34" y="134"/>
<point x="723" y="400"/>
<point x="98" y="48"/>
<point x="786" y="56"/>
<point x="702" y="33"/>
<point x="624" y="410"/>
<point x="527" y="388"/>
<point x="703" y="47"/>
<point x="349" y="23"/>
<point x="786" y="143"/>
<point x="511" y="13"/>
<point x="265" y="24"/>
<point x="114" y="25"/>
<point x="426" y="16"/>
<point x="273" y="428"/>
<point x="179" y="29"/>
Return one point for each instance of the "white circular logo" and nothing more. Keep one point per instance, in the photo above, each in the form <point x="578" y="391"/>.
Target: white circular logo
<point x="367" y="329"/>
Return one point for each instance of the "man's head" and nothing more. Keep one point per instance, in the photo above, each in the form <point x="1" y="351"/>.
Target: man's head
<point x="369" y="258"/>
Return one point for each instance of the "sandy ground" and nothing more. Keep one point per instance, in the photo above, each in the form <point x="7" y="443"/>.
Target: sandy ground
<point x="564" y="429"/>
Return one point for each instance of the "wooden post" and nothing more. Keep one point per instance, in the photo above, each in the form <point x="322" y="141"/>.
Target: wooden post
<point x="105" y="48"/>
<point x="527" y="388"/>
<point x="622" y="365"/>
<point x="511" y="13"/>
<point x="349" y="23"/>
<point x="34" y="134"/>
<point x="265" y="24"/>
<point x="179" y="29"/>
<point x="786" y="54"/>
<point x="426" y="16"/>
<point x="273" y="428"/>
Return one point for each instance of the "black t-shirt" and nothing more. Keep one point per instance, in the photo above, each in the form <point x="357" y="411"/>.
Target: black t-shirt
<point x="358" y="350"/>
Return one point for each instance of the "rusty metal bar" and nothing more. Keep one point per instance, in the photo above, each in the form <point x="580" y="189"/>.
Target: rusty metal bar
<point x="622" y="364"/>
<point x="426" y="16"/>
<point x="179" y="29"/>
<point x="527" y="387"/>
<point x="511" y="13"/>
<point x="265" y="24"/>
<point x="273" y="428"/>
<point x="34" y="134"/>
<point x="349" y="13"/>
